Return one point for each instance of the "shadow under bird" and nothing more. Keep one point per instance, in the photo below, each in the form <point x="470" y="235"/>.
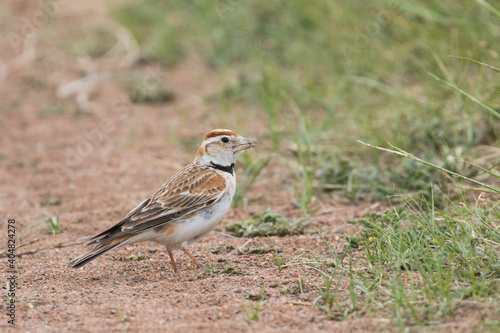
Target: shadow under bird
<point x="186" y="208"/>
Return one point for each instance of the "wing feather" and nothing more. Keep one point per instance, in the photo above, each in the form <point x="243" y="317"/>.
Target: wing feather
<point x="184" y="194"/>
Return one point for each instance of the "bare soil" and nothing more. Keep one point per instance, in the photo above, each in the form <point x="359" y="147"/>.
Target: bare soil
<point x="91" y="160"/>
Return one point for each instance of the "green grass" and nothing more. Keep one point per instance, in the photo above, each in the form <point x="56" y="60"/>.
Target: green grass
<point x="221" y="249"/>
<point x="252" y="310"/>
<point x="124" y="316"/>
<point x="267" y="223"/>
<point x="423" y="76"/>
<point x="249" y="177"/>
<point x="158" y="95"/>
<point x="52" y="224"/>
<point x="132" y="257"/>
<point x="304" y="190"/>
<point x="417" y="263"/>
<point x="347" y="67"/>
<point x="279" y="260"/>
<point x="324" y="76"/>
<point x="214" y="270"/>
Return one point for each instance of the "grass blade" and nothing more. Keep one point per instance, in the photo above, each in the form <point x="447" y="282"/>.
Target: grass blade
<point x="454" y="87"/>
<point x="403" y="153"/>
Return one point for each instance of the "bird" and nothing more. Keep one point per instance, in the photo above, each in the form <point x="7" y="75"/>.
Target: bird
<point x="186" y="208"/>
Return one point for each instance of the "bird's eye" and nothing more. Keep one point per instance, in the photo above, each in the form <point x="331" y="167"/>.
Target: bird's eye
<point x="225" y="140"/>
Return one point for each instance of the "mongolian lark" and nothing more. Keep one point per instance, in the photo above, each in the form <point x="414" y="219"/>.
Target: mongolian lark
<point x="186" y="208"/>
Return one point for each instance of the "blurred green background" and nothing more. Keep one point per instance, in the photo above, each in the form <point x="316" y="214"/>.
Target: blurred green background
<point x="325" y="74"/>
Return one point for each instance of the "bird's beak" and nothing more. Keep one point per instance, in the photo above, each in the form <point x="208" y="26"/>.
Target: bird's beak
<point x="244" y="143"/>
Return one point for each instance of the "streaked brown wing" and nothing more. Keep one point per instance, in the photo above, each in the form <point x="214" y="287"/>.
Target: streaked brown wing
<point x="188" y="191"/>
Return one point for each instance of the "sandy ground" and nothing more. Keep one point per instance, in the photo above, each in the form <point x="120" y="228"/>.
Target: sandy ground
<point x="92" y="155"/>
<point x="98" y="188"/>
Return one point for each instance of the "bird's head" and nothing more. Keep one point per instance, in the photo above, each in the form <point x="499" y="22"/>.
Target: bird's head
<point x="222" y="147"/>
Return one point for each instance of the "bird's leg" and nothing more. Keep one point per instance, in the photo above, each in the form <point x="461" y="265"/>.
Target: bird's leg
<point x="196" y="261"/>
<point x="172" y="261"/>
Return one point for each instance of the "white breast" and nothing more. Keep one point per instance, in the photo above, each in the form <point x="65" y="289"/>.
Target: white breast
<point x="192" y="230"/>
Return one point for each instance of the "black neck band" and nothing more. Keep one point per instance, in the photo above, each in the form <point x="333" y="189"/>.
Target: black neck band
<point x="228" y="169"/>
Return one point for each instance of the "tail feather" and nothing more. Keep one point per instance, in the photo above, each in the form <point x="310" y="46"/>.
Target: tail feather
<point x="96" y="252"/>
